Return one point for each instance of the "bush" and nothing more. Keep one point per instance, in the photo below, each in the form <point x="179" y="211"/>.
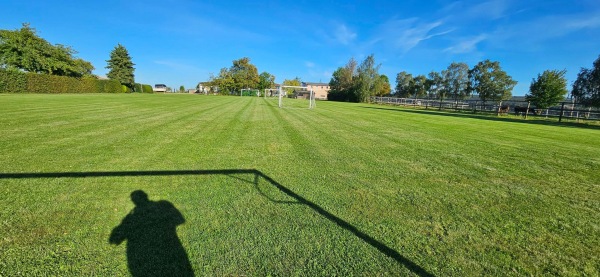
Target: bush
<point x="20" y="82"/>
<point x="125" y="89"/>
<point x="147" y="89"/>
<point x="12" y="81"/>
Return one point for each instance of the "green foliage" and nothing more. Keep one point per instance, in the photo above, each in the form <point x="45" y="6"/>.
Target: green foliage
<point x="436" y="85"/>
<point x="456" y="80"/>
<point x="125" y="89"/>
<point x="147" y="89"/>
<point x="490" y="82"/>
<point x="357" y="84"/>
<point x="222" y="84"/>
<point x="121" y="67"/>
<point x="384" y="87"/>
<point x="266" y="81"/>
<point x="23" y="49"/>
<point x="293" y="82"/>
<point x="244" y="74"/>
<point x="548" y="89"/>
<point x="404" y="84"/>
<point x="419" y="86"/>
<point x="108" y="86"/>
<point x="368" y="81"/>
<point x="586" y="89"/>
<point x="342" y="85"/>
<point x="13" y="81"/>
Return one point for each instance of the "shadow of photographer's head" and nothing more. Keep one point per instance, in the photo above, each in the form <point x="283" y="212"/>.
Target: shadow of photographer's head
<point x="139" y="198"/>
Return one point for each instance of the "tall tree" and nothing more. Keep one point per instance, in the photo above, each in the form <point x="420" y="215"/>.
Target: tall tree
<point x="120" y="66"/>
<point x="266" y="81"/>
<point x="404" y="84"/>
<point x="23" y="49"/>
<point x="548" y="89"/>
<point x="490" y="82"/>
<point x="244" y="73"/>
<point x="586" y="89"/>
<point x="368" y="80"/>
<point x="456" y="80"/>
<point x="419" y="86"/>
<point x="342" y="85"/>
<point x="223" y="83"/>
<point x="436" y="85"/>
<point x="384" y="87"/>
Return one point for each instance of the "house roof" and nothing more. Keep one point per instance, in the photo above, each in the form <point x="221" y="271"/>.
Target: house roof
<point x="315" y="84"/>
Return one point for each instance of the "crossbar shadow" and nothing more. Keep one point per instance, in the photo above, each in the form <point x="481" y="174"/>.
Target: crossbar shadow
<point x="257" y="175"/>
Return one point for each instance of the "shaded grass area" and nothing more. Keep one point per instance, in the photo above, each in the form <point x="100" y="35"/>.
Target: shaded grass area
<point x="342" y="189"/>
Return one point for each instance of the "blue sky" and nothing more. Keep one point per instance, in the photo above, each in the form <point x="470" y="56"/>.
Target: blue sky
<point x="181" y="42"/>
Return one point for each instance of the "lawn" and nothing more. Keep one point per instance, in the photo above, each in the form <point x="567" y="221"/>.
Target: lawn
<point x="238" y="186"/>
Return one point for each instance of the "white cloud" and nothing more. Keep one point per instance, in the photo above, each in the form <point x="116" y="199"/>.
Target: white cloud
<point x="309" y="64"/>
<point x="466" y="45"/>
<point x="405" y="34"/>
<point x="490" y="9"/>
<point x="344" y="35"/>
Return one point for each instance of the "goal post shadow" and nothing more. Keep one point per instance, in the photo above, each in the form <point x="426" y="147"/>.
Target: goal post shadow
<point x="255" y="177"/>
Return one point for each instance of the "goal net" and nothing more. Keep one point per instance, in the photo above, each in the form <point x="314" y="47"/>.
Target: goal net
<point x="295" y="97"/>
<point x="249" y="92"/>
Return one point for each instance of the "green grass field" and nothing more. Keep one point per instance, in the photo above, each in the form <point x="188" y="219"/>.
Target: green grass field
<point x="344" y="189"/>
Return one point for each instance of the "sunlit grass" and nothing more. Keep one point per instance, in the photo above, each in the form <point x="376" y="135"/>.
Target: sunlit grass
<point x="452" y="195"/>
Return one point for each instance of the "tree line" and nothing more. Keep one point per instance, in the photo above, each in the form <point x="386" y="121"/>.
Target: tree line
<point x="486" y="79"/>
<point x="242" y="74"/>
<point x="357" y="83"/>
<point x="23" y="50"/>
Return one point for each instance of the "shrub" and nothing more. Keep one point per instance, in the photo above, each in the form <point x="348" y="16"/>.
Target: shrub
<point x="12" y="81"/>
<point x="147" y="89"/>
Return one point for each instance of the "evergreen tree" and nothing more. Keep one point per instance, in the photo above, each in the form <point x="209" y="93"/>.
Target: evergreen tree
<point x="120" y="66"/>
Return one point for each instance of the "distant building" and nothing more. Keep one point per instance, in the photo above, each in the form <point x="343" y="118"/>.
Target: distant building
<point x="320" y="89"/>
<point x="160" y="88"/>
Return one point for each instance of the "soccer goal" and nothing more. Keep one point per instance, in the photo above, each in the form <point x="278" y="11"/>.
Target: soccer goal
<point x="271" y="92"/>
<point x="296" y="97"/>
<point x="249" y="92"/>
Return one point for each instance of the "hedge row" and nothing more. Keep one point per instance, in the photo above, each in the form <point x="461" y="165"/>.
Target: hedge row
<point x="20" y="82"/>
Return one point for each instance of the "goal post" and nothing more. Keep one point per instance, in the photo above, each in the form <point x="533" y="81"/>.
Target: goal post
<point x="298" y="93"/>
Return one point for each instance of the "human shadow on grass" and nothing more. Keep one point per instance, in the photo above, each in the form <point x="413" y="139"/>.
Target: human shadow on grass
<point x="153" y="247"/>
<point x="256" y="175"/>
<point x="469" y="114"/>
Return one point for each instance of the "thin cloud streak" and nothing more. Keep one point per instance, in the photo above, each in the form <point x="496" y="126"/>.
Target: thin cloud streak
<point x="406" y="34"/>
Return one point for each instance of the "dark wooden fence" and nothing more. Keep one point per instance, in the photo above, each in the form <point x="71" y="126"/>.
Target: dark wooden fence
<point x="562" y="111"/>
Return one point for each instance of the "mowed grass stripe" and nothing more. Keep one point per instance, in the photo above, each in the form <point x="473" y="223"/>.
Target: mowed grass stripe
<point x="456" y="195"/>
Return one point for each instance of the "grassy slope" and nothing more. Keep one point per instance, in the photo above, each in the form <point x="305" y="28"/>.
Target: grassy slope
<point x="451" y="194"/>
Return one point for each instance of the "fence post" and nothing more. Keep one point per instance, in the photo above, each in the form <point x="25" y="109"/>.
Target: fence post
<point x="562" y="109"/>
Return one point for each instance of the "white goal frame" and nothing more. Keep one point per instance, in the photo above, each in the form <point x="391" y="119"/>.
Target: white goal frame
<point x="311" y="100"/>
